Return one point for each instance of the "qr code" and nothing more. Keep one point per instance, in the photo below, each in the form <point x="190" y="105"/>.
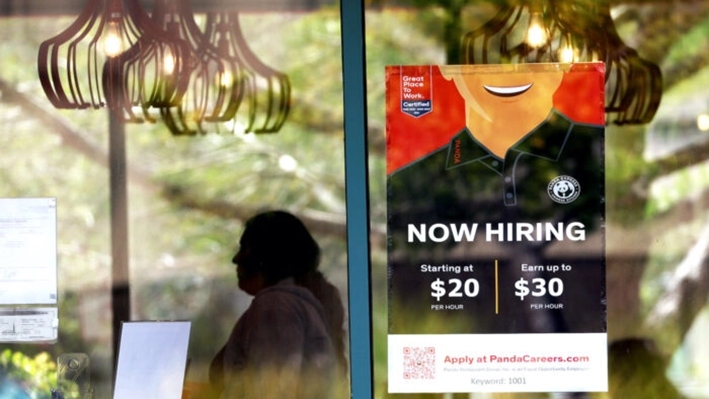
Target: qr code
<point x="419" y="363"/>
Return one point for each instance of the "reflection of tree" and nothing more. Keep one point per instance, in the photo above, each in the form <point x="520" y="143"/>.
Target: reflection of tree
<point x="686" y="295"/>
<point x="627" y="380"/>
<point x="72" y="136"/>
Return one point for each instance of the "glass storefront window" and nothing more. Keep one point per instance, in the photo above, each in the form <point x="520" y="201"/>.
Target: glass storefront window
<point x="655" y="187"/>
<point x="188" y="197"/>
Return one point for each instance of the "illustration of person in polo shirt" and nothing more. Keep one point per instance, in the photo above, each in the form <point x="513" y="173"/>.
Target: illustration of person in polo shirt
<point x="531" y="181"/>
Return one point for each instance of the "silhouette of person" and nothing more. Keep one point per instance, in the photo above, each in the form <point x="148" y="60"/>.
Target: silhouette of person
<point x="289" y="343"/>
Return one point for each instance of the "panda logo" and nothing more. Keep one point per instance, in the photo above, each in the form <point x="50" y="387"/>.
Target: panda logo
<point x="564" y="189"/>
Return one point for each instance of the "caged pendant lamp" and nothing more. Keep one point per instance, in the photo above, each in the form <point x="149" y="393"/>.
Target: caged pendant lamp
<point x="267" y="92"/>
<point x="217" y="84"/>
<point x="570" y="31"/>
<point x="151" y="73"/>
<point x="113" y="56"/>
<point x="147" y="67"/>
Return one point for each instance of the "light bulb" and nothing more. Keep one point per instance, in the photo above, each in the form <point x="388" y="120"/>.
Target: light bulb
<point x="566" y="52"/>
<point x="536" y="32"/>
<point x="112" y="43"/>
<point x="168" y="61"/>
<point x="226" y="78"/>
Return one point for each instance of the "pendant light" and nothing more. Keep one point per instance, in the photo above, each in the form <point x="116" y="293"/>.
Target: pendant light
<point x="563" y="31"/>
<point x="267" y="91"/>
<point x="216" y="83"/>
<point x="113" y="56"/>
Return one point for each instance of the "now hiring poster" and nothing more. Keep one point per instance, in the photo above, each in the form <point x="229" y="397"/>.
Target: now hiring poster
<point x="495" y="196"/>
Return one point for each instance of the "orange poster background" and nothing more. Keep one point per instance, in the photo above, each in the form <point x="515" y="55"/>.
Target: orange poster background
<point x="580" y="97"/>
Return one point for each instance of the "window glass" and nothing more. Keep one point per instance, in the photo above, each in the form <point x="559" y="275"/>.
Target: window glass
<point x="187" y="199"/>
<point x="656" y="186"/>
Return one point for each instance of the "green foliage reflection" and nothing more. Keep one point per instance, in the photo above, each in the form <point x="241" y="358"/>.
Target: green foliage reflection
<point x="22" y="376"/>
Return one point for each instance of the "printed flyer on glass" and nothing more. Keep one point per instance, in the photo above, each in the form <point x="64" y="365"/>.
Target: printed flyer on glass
<point x="496" y="258"/>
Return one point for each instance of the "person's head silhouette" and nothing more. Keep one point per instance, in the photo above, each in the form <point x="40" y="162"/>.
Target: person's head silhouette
<point x="275" y="245"/>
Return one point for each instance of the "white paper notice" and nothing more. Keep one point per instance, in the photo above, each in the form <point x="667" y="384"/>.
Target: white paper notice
<point x="28" y="251"/>
<point x="29" y="325"/>
<point x="152" y="360"/>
